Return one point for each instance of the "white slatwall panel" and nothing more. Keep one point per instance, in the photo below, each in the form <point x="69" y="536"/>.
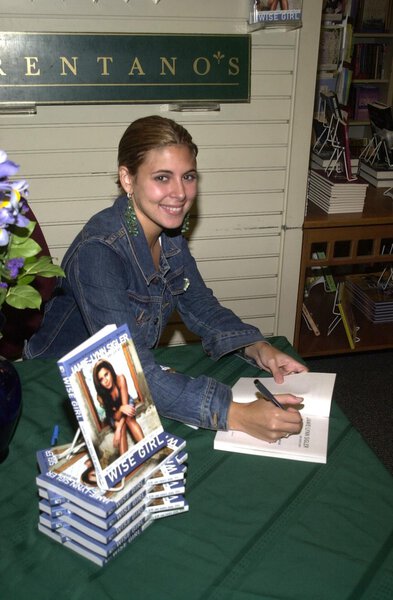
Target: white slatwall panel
<point x="68" y="154"/>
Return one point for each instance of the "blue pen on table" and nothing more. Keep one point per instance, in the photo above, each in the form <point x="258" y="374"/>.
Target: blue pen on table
<point x="267" y="394"/>
<point x="55" y="435"/>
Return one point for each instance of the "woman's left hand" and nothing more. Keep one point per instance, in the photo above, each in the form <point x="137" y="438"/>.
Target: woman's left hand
<point x="276" y="362"/>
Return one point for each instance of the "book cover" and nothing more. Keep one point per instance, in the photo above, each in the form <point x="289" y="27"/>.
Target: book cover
<point x="310" y="445"/>
<point x="374" y="181"/>
<point x="112" y="403"/>
<point x="364" y="95"/>
<point x="69" y="518"/>
<point x="377" y="170"/>
<point x="71" y="477"/>
<point x="372" y="16"/>
<point x="70" y="533"/>
<point x="83" y="551"/>
<point x="276" y="13"/>
<point x="330" y="45"/>
<point x="347" y="316"/>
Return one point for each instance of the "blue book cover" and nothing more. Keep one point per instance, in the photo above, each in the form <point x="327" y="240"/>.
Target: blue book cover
<point x="104" y="536"/>
<point x="70" y="533"/>
<point x="112" y="402"/>
<point x="64" y="476"/>
<point x="99" y="560"/>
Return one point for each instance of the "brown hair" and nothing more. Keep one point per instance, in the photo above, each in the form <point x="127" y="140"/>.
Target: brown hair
<point x="147" y="134"/>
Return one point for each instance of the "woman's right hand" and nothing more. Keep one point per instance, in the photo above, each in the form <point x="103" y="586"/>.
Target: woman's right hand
<point x="128" y="410"/>
<point x="264" y="420"/>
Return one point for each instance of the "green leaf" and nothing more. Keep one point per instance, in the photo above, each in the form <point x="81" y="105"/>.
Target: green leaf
<point x="24" y="250"/>
<point x="44" y="267"/>
<point x="23" y="296"/>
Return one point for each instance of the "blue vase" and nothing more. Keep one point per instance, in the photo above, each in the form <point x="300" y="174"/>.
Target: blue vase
<point x="10" y="404"/>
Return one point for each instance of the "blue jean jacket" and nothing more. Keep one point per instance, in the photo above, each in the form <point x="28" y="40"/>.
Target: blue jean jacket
<point x="111" y="278"/>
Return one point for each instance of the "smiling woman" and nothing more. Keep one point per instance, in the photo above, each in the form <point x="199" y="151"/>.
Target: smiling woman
<point x="131" y="264"/>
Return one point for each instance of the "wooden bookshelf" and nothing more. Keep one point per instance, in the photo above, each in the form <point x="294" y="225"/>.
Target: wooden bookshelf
<point x="352" y="243"/>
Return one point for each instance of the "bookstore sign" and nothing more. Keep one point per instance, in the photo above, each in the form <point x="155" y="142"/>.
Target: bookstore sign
<point x="70" y="68"/>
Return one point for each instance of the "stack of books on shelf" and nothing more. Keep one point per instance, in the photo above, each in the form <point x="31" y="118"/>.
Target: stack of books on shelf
<point x="372" y="294"/>
<point x="323" y="160"/>
<point x="97" y="496"/>
<point x="334" y="193"/>
<point x="377" y="174"/>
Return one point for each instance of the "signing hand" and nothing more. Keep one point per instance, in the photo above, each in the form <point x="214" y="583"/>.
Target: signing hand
<point x="264" y="420"/>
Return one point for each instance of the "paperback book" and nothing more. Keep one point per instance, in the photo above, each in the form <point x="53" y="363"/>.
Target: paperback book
<point x="112" y="403"/>
<point x="70" y="478"/>
<point x="97" y="559"/>
<point x="310" y="444"/>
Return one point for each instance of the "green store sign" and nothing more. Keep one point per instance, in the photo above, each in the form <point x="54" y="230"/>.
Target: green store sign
<point x="70" y="68"/>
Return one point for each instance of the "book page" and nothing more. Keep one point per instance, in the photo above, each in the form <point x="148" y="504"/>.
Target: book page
<point x="316" y="389"/>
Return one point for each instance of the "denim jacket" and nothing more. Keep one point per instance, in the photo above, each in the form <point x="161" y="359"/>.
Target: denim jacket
<point x="111" y="278"/>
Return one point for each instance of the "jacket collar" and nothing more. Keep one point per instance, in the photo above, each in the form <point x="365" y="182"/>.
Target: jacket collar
<point x="170" y="246"/>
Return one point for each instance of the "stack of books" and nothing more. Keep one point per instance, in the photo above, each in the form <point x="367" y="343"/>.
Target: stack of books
<point x="323" y="160"/>
<point x="372" y="294"/>
<point x="96" y="496"/>
<point x="334" y="194"/>
<point x="378" y="174"/>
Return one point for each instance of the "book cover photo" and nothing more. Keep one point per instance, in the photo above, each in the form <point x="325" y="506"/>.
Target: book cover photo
<point x="113" y="405"/>
<point x="310" y="444"/>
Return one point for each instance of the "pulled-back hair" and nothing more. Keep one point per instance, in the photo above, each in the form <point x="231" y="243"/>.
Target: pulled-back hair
<point x="149" y="133"/>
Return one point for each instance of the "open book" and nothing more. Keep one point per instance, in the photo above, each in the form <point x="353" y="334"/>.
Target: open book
<point x="310" y="444"/>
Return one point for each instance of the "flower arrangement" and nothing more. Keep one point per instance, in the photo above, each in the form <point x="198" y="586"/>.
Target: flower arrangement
<point x="19" y="261"/>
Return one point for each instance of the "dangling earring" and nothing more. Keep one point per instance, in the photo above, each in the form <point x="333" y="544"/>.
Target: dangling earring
<point x="130" y="217"/>
<point x="186" y="224"/>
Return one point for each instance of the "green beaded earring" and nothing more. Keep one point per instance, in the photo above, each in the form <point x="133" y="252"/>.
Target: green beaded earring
<point x="130" y="217"/>
<point x="186" y="224"/>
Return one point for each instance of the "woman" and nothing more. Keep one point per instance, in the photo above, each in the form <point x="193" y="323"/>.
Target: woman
<point x="131" y="264"/>
<point x="119" y="406"/>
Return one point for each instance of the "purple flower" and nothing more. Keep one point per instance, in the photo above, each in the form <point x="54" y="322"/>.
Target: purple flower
<point x="4" y="237"/>
<point x="3" y="285"/>
<point x="14" y="265"/>
<point x="7" y="167"/>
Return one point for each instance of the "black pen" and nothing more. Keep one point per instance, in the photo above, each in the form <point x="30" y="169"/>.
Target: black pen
<point x="266" y="394"/>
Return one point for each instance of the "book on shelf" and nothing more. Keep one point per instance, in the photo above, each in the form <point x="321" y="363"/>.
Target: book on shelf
<point x="119" y="436"/>
<point x="323" y="160"/>
<point x="363" y="95"/>
<point x="330" y="47"/>
<point x="374" y="181"/>
<point x="372" y="16"/>
<point x="372" y="294"/>
<point x="334" y="193"/>
<point x="346" y="314"/>
<point x="368" y="60"/>
<point x="377" y="170"/>
<point x="310" y="444"/>
<point x="333" y="12"/>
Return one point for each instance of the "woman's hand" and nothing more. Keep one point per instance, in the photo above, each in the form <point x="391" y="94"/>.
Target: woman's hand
<point x="276" y="362"/>
<point x="128" y="410"/>
<point x="263" y="420"/>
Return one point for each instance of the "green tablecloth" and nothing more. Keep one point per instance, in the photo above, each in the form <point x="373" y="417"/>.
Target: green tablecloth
<point x="258" y="528"/>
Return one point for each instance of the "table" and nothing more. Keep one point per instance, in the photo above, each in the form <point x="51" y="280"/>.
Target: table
<point x="257" y="527"/>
